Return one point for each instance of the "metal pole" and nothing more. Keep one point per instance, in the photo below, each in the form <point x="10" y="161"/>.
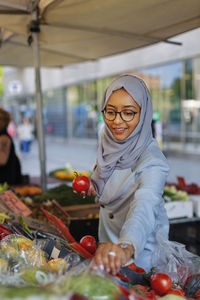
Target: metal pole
<point x="39" y="105"/>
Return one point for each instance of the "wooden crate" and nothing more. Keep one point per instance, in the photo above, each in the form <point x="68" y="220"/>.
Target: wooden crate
<point x="86" y="211"/>
<point x="83" y="220"/>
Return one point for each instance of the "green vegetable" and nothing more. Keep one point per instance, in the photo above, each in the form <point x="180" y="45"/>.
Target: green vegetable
<point x="64" y="195"/>
<point x="24" y="225"/>
<point x="33" y="275"/>
<point x="92" y="286"/>
<point x="171" y="193"/>
<point x="9" y="293"/>
<point x="4" y="187"/>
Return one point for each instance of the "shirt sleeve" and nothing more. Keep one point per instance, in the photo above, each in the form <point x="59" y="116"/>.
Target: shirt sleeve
<point x="145" y="207"/>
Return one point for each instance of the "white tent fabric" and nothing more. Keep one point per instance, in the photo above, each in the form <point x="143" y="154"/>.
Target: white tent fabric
<point x="54" y="33"/>
<point x="73" y="31"/>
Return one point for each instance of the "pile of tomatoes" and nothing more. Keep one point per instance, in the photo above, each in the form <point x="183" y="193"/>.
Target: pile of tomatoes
<point x="160" y="285"/>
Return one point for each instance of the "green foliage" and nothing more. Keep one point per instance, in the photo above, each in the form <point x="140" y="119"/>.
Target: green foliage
<point x="64" y="195"/>
<point x="171" y="193"/>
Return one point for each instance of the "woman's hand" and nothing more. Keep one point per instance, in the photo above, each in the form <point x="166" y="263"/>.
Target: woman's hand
<point x="91" y="191"/>
<point x="110" y="257"/>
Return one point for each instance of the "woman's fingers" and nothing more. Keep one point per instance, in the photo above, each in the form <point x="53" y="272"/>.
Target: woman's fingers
<point x="91" y="191"/>
<point x="109" y="257"/>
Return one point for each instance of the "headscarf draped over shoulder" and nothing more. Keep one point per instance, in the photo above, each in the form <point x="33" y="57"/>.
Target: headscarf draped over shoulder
<point x="113" y="154"/>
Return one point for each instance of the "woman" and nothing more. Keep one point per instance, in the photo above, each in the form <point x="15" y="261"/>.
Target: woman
<point x="10" y="170"/>
<point x="128" y="178"/>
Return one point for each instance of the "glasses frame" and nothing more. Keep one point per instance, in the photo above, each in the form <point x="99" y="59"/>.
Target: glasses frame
<point x="120" y="113"/>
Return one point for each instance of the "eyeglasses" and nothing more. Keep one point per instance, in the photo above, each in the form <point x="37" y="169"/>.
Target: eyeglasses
<point x="126" y="115"/>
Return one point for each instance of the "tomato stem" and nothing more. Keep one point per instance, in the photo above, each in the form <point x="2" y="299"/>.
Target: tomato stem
<point x="76" y="173"/>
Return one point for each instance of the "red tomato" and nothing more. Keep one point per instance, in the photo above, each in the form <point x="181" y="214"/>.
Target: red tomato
<point x="197" y="294"/>
<point x="81" y="184"/>
<point x="89" y="243"/>
<point x="178" y="292"/>
<point x="161" y="283"/>
<point x="151" y="295"/>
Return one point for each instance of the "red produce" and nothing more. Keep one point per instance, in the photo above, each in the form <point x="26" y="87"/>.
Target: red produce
<point x="81" y="184"/>
<point x="89" y="243"/>
<point x="177" y="291"/>
<point x="4" y="231"/>
<point x="161" y="283"/>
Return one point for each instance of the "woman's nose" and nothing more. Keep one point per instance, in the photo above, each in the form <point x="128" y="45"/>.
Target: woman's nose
<point x="118" y="119"/>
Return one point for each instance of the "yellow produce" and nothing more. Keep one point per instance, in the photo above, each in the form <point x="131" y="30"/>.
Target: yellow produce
<point x="96" y="216"/>
<point x="35" y="257"/>
<point x="90" y="216"/>
<point x="70" y="174"/>
<point x="85" y="173"/>
<point x="3" y="265"/>
<point x="57" y="264"/>
<point x="24" y="243"/>
<point x="21" y="242"/>
<point x="9" y="250"/>
<point x="64" y="176"/>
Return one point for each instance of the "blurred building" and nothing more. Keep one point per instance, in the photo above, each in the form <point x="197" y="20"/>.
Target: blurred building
<point x="72" y="94"/>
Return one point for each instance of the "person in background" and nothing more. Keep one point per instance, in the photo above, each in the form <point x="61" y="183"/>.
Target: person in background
<point x="11" y="129"/>
<point x="157" y="128"/>
<point x="128" y="179"/>
<point x="10" y="169"/>
<point x="25" y="135"/>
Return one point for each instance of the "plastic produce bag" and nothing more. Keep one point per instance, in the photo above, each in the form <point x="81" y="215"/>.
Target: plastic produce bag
<point x="172" y="258"/>
<point x="23" y="262"/>
<point x="95" y="285"/>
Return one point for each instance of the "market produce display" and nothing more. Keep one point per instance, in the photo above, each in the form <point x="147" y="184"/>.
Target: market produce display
<point x="68" y="173"/>
<point x="64" y="195"/>
<point x="41" y="265"/>
<point x="171" y="193"/>
<point x="25" y="190"/>
<point x="191" y="188"/>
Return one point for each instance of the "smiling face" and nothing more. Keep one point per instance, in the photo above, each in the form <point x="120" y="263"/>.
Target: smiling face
<point x="118" y="101"/>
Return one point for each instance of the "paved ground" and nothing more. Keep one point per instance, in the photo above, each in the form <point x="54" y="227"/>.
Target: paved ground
<point x="81" y="154"/>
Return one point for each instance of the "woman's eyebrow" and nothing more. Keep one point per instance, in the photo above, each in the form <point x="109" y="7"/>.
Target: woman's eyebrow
<point x="125" y="106"/>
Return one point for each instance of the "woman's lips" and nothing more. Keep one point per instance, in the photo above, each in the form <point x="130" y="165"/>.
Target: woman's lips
<point x="119" y="130"/>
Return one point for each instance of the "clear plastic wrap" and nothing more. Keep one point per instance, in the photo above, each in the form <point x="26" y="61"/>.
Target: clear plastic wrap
<point x="23" y="262"/>
<point x="95" y="285"/>
<point x="172" y="258"/>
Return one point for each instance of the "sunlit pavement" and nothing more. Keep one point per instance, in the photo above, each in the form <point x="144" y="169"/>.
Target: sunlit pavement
<point x="81" y="155"/>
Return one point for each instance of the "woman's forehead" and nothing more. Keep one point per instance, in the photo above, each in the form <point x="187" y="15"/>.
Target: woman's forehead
<point x="121" y="97"/>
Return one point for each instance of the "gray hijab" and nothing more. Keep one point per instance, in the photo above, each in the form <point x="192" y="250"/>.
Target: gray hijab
<point x="113" y="154"/>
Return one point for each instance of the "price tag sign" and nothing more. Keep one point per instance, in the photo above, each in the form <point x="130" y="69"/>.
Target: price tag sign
<point x="9" y="199"/>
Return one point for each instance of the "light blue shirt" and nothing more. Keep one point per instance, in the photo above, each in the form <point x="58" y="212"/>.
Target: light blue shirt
<point x="135" y="211"/>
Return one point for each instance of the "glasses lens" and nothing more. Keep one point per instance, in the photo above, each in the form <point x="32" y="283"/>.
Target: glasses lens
<point x="127" y="115"/>
<point x="109" y="114"/>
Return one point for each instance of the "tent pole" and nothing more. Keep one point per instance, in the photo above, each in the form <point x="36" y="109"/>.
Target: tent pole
<point x="39" y="105"/>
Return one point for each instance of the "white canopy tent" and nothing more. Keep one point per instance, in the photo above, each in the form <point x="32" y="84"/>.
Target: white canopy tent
<point x="54" y="33"/>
